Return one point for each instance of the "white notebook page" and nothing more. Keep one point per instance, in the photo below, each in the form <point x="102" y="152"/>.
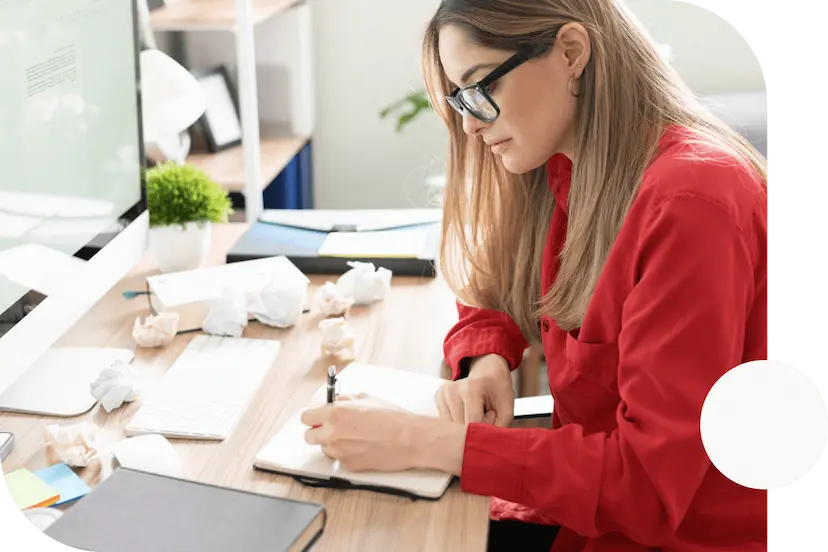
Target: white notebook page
<point x="287" y="451"/>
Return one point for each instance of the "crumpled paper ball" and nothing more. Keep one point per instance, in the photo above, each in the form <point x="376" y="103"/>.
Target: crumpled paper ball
<point x="227" y="315"/>
<point x="365" y="283"/>
<point x="155" y="331"/>
<point x="332" y="301"/>
<point x="115" y="385"/>
<point x="337" y="338"/>
<point x="279" y="303"/>
<point x="74" y="444"/>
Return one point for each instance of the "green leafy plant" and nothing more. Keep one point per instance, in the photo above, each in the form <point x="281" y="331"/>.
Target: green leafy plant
<point x="411" y="107"/>
<point x="178" y="194"/>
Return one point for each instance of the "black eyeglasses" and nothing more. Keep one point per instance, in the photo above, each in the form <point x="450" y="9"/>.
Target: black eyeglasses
<point x="476" y="98"/>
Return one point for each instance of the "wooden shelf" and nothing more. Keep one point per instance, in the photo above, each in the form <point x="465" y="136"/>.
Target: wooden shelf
<point x="211" y="15"/>
<point x="227" y="167"/>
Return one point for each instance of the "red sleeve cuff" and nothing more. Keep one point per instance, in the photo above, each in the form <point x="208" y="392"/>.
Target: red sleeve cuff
<point x="489" y="466"/>
<point x="486" y="342"/>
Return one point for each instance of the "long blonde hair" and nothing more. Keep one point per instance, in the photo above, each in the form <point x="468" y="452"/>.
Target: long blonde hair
<point x="495" y="223"/>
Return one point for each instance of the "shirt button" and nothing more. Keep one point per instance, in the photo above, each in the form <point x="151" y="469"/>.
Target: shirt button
<point x="545" y="325"/>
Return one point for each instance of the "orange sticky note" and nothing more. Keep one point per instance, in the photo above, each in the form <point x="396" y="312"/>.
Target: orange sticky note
<point x="29" y="491"/>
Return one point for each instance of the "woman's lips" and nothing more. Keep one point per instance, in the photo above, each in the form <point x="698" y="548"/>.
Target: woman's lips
<point x="498" y="147"/>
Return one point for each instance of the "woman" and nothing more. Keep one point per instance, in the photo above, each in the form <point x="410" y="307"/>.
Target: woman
<point x="593" y="206"/>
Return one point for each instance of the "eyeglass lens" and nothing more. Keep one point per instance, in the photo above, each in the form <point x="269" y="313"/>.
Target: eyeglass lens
<point x="478" y="104"/>
<point x="475" y="102"/>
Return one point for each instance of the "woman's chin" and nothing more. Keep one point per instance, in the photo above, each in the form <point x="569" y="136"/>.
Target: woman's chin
<point x="515" y="164"/>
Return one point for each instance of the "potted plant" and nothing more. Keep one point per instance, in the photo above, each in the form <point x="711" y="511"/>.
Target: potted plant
<point x="411" y="106"/>
<point x="183" y="203"/>
<point x="407" y="109"/>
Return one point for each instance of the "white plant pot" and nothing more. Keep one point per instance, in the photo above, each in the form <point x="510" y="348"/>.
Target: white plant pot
<point x="176" y="247"/>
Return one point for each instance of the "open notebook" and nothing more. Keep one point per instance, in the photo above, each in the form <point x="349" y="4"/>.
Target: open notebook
<point x="288" y="454"/>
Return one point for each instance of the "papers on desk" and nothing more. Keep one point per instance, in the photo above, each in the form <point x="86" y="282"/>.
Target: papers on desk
<point x="408" y="243"/>
<point x="361" y="220"/>
<point x="289" y="454"/>
<point x="405" y="241"/>
<point x="192" y="293"/>
<point x="29" y="491"/>
<point x="65" y="481"/>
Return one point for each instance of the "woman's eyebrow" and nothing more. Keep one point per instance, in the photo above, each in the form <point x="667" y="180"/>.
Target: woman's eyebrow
<point x="475" y="68"/>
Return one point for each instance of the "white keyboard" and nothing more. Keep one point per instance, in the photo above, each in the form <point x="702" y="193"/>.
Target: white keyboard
<point x="207" y="389"/>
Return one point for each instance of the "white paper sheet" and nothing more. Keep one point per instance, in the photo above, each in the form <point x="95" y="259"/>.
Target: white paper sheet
<point x="325" y="220"/>
<point x="406" y="243"/>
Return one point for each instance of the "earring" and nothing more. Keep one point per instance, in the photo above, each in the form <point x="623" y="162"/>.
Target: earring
<point x="569" y="85"/>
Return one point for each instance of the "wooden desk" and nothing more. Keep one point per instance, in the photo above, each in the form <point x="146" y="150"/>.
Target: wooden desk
<point x="405" y="331"/>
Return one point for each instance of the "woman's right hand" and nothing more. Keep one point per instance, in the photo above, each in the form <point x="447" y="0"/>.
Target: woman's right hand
<point x="486" y="395"/>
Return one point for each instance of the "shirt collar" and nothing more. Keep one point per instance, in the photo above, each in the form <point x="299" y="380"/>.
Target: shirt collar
<point x="559" y="175"/>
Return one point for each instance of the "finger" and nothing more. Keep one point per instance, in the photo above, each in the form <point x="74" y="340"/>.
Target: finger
<point x="442" y="407"/>
<point x="503" y="404"/>
<point x="455" y="405"/>
<point x="472" y="406"/>
<point x="490" y="417"/>
<point x="314" y="416"/>
<point x="504" y="420"/>
<point x="504" y="417"/>
<point x="316" y="436"/>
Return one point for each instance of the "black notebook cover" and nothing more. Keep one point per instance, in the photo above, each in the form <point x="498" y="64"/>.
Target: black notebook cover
<point x="133" y="511"/>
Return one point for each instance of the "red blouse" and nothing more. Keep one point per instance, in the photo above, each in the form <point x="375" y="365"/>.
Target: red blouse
<point x="681" y="300"/>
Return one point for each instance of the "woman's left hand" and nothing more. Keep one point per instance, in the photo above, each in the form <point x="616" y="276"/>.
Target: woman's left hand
<point x="363" y="433"/>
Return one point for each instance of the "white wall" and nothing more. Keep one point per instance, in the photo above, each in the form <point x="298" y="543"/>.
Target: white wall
<point x="367" y="55"/>
<point x="708" y="52"/>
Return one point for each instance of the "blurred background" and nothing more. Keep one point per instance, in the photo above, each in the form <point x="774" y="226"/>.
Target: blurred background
<point x="326" y="69"/>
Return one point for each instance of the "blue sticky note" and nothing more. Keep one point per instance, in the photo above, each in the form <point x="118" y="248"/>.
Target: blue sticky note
<point x="65" y="481"/>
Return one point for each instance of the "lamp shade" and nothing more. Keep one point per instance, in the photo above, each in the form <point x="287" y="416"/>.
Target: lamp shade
<point x="172" y="98"/>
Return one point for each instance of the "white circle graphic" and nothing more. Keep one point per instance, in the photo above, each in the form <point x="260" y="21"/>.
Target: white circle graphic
<point x="764" y="424"/>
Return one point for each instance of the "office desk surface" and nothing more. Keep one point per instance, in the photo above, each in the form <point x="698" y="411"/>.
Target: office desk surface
<point x="405" y="331"/>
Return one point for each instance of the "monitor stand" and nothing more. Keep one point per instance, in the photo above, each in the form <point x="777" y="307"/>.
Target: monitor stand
<point x="58" y="384"/>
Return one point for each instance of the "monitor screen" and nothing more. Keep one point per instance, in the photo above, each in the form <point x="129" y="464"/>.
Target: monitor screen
<point x="70" y="151"/>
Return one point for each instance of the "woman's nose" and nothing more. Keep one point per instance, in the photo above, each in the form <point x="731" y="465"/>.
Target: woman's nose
<point x="471" y="124"/>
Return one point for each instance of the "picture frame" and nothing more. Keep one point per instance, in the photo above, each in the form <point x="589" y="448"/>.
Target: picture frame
<point x="221" y="123"/>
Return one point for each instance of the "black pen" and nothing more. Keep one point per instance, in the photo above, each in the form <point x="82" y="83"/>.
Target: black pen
<point x="331" y="384"/>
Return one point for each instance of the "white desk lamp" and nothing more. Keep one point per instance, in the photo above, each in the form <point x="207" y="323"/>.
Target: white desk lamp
<point x="172" y="100"/>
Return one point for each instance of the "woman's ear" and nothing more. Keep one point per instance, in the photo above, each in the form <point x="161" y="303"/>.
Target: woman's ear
<point x="575" y="46"/>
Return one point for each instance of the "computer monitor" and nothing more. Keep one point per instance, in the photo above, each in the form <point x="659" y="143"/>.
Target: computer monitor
<point x="73" y="217"/>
